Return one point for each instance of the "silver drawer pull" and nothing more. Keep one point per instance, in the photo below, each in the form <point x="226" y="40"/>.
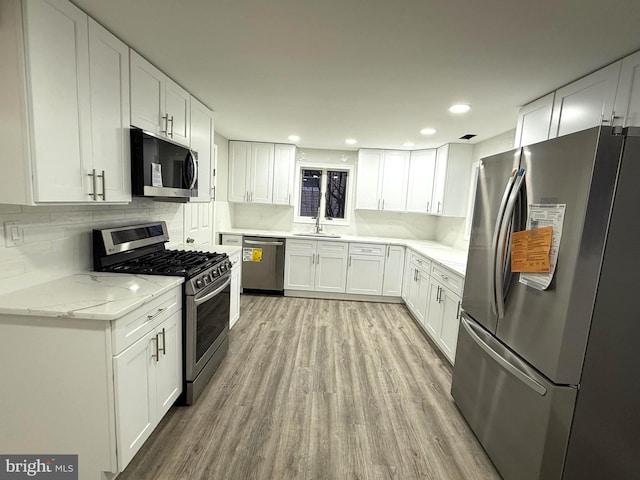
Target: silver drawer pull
<point x="156" y="356"/>
<point x="151" y="317"/>
<point x="164" y="343"/>
<point x="444" y="277"/>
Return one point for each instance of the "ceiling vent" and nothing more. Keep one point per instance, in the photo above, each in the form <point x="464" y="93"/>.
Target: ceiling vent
<point x="468" y="136"/>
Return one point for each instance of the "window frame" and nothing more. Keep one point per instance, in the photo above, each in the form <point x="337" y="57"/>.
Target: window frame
<point x="324" y="167"/>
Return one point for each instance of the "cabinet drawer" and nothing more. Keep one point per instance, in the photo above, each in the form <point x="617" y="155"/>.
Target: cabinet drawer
<point x="368" y="249"/>
<point x="420" y="262"/>
<point x="333" y="247"/>
<point x="127" y="330"/>
<point x="301" y="245"/>
<point x="446" y="277"/>
<point x="231" y="239"/>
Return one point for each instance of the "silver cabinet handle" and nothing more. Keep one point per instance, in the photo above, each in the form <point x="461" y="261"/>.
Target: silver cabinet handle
<point x="439" y="295"/>
<point x="439" y="208"/>
<point x="313" y="259"/>
<point x="428" y="207"/>
<point x="166" y="123"/>
<point x="383" y="204"/>
<point x="95" y="186"/>
<point x="151" y="317"/>
<point x="318" y="260"/>
<point x="444" y="277"/>
<point x="157" y="354"/>
<point x="103" y="194"/>
<point x="388" y="249"/>
<point x="503" y="362"/>
<point x="349" y="261"/>
<point x="289" y="201"/>
<point x="170" y="120"/>
<point x="378" y="204"/>
<point x="164" y="343"/>
<point x="458" y="312"/>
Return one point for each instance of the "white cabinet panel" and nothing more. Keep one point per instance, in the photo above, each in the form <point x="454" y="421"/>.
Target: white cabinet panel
<point x="239" y="167"/>
<point x="395" y="175"/>
<point x="331" y="272"/>
<point x="109" y="74"/>
<point x="585" y="103"/>
<point x="283" y="174"/>
<point x="236" y="278"/>
<point x="534" y="121"/>
<point x="169" y="365"/>
<point x="148" y="86"/>
<point x="299" y="265"/>
<point x="367" y="188"/>
<point x="448" y="337"/>
<point x="201" y="142"/>
<point x="178" y="108"/>
<point x="393" y="271"/>
<point x="422" y="167"/>
<point x="627" y="104"/>
<point x="56" y="38"/>
<point x="433" y="319"/>
<point x="365" y="274"/>
<point x="453" y="168"/>
<point x="261" y="175"/>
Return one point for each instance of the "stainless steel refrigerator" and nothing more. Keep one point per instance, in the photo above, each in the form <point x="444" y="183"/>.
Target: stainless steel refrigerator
<point x="549" y="378"/>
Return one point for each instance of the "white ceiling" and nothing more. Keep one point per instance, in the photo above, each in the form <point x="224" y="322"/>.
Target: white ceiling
<point x="374" y="70"/>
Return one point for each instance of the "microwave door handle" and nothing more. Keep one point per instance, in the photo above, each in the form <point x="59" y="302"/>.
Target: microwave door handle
<point x="194" y="164"/>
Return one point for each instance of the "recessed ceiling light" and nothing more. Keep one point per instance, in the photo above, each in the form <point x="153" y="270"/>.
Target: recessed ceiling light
<point x="350" y="141"/>
<point x="408" y="144"/>
<point x="459" y="108"/>
<point x="428" y="131"/>
<point x="294" y="138"/>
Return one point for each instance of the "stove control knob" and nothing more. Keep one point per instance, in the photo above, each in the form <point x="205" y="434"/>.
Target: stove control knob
<point x="199" y="283"/>
<point x="215" y="273"/>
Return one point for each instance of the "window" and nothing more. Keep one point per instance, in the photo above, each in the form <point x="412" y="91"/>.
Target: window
<point x="325" y="189"/>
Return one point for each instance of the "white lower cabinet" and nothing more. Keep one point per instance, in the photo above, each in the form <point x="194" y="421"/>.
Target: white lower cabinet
<point x="236" y="276"/>
<point x="443" y="318"/>
<point x="417" y="297"/>
<point x="365" y="271"/>
<point x="315" y="265"/>
<point x="393" y="271"/>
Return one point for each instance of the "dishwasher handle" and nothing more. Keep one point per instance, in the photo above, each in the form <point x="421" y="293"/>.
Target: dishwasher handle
<point x="253" y="242"/>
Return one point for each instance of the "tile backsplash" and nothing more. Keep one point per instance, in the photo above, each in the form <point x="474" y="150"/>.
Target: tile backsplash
<point x="56" y="240"/>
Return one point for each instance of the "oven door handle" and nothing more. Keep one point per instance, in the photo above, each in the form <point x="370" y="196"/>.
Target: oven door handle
<point x="197" y="300"/>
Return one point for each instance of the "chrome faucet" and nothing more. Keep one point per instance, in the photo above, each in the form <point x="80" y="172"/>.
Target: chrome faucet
<point x="318" y="226"/>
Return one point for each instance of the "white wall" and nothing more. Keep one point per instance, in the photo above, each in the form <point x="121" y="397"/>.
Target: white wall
<point x="57" y="239"/>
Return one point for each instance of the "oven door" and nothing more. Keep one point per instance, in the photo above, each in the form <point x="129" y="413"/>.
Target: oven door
<point x="207" y="324"/>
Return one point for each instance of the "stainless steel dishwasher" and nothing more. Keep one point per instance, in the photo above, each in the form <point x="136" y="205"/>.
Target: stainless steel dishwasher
<point x="263" y="264"/>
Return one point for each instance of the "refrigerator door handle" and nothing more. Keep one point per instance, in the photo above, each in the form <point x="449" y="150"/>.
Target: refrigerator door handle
<point x="501" y="243"/>
<point x="509" y="367"/>
<point x="496" y="231"/>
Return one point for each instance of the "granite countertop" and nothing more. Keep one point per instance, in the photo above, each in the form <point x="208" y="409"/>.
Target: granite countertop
<point x="454" y="259"/>
<point x="89" y="295"/>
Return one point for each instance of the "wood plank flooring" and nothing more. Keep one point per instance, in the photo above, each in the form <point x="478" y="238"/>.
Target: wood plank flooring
<point x="319" y="389"/>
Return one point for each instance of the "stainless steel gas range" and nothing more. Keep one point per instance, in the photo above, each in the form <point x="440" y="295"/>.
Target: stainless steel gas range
<point x="140" y="249"/>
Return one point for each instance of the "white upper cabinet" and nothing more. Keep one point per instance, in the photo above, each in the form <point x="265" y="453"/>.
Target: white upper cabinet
<point x="450" y="188"/>
<point x="202" y="143"/>
<point x="627" y="105"/>
<point x="109" y="73"/>
<point x="422" y="168"/>
<point x="74" y="92"/>
<point x="283" y="174"/>
<point x="158" y="104"/>
<point x="382" y="180"/>
<point x="585" y="103"/>
<point x="534" y="121"/>
<point x="250" y="172"/>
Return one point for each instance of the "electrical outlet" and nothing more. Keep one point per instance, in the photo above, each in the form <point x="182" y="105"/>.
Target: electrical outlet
<point x="13" y="234"/>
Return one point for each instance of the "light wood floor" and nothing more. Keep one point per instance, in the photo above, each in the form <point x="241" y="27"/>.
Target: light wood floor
<point x="319" y="389"/>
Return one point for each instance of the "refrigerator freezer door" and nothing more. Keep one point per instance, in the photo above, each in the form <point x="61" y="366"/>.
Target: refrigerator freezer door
<point x="520" y="418"/>
<point x="495" y="179"/>
<point x="549" y="328"/>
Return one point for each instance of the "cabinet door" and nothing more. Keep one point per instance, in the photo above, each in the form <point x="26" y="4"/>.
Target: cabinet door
<point x="56" y="37"/>
<point x="234" y="309"/>
<point x="147" y="96"/>
<point x="422" y="296"/>
<point x="393" y="271"/>
<point x="178" y="109"/>
<point x="433" y="317"/>
<point x="283" y="174"/>
<point x="169" y="365"/>
<point x="422" y="169"/>
<point x="201" y="132"/>
<point x="395" y="175"/>
<point x="407" y="277"/>
<point x="331" y="272"/>
<point x="453" y="168"/>
<point x="261" y="173"/>
<point x="365" y="274"/>
<point x="586" y="102"/>
<point x="627" y="104"/>
<point x="437" y="202"/>
<point x="368" y="179"/>
<point x="135" y="396"/>
<point x="239" y="163"/>
<point x="109" y="73"/>
<point x="448" y="335"/>
<point x="300" y="265"/>
<point x="534" y="121"/>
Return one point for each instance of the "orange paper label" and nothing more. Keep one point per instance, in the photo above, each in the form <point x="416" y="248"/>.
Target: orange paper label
<point x="530" y="250"/>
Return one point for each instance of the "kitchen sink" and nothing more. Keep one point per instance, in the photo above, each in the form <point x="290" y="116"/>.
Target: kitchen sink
<point x="325" y="235"/>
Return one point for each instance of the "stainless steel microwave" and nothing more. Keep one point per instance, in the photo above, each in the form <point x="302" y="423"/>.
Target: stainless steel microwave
<point x="161" y="168"/>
